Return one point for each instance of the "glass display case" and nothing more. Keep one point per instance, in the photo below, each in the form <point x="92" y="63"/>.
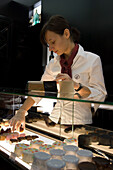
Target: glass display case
<point x="98" y="140"/>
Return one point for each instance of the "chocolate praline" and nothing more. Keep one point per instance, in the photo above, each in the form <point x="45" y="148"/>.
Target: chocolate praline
<point x="28" y="137"/>
<point x="34" y="136"/>
<point x="86" y="166"/>
<point x="111" y="142"/>
<point x="100" y="162"/>
<point x="94" y="137"/>
<point x="104" y="140"/>
<point x="14" y="140"/>
<point x="84" y="140"/>
<point x="21" y="138"/>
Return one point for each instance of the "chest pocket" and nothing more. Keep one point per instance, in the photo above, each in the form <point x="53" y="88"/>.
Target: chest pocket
<point x="81" y="77"/>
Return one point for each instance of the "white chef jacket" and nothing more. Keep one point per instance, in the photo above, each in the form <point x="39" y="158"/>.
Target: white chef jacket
<point x="87" y="70"/>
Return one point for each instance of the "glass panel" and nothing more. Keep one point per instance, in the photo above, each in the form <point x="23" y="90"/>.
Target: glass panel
<point x="9" y="103"/>
<point x="55" y="95"/>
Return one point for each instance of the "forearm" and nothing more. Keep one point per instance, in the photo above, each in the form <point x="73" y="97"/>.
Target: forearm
<point x="27" y="104"/>
<point x="83" y="91"/>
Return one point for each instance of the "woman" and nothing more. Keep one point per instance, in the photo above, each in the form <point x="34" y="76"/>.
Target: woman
<point x="71" y="64"/>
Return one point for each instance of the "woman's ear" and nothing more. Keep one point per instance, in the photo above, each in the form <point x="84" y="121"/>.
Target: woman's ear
<point x="67" y="33"/>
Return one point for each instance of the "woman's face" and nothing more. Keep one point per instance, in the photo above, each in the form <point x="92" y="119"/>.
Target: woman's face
<point x="59" y="44"/>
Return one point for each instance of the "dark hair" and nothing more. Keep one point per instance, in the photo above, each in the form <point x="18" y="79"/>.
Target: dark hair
<point x="58" y="24"/>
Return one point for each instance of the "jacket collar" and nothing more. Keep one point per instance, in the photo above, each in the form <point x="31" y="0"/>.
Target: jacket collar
<point x="79" y="53"/>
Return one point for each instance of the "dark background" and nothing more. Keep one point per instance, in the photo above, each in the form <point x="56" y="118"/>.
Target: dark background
<point x="20" y="47"/>
<point x="22" y="58"/>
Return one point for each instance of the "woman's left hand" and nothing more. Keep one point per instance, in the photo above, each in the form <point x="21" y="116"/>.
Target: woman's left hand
<point x="63" y="77"/>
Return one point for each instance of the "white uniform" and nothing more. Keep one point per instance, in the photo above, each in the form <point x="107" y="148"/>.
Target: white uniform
<point x="87" y="70"/>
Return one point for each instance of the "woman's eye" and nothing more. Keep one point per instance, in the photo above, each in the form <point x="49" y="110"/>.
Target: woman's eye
<point x="53" y="42"/>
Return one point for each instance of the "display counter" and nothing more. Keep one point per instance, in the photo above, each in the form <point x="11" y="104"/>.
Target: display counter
<point x="7" y="149"/>
<point x="99" y="141"/>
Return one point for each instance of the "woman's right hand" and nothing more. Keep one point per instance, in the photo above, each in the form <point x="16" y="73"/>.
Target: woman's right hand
<point x="18" y="120"/>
